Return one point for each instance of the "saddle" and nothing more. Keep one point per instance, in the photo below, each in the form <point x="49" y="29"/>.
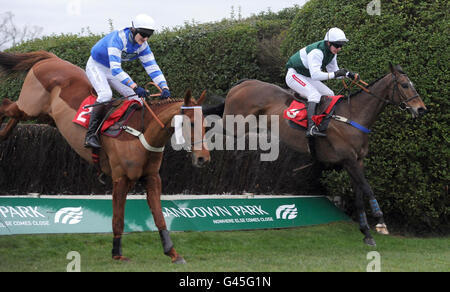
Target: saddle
<point x="296" y="113"/>
<point x="116" y="117"/>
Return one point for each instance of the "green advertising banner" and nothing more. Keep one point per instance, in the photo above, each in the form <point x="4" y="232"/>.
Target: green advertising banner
<point x="38" y="215"/>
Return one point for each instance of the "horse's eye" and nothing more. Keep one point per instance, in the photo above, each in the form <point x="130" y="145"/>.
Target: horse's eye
<point x="405" y="85"/>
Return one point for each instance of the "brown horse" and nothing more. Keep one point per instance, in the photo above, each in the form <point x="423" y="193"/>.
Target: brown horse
<point x="344" y="144"/>
<point x="55" y="88"/>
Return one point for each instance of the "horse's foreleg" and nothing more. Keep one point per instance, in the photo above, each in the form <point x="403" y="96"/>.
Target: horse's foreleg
<point x="362" y="188"/>
<point x="119" y="196"/>
<point x="377" y="213"/>
<point x="368" y="192"/>
<point x="362" y="218"/>
<point x="376" y="210"/>
<point x="154" y="202"/>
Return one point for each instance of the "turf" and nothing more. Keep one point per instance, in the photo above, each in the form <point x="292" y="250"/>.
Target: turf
<point x="330" y="247"/>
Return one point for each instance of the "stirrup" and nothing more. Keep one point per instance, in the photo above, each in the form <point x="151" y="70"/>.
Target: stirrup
<point x="314" y="131"/>
<point x="92" y="142"/>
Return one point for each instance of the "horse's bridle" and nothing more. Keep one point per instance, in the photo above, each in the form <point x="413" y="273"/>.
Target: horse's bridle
<point x="402" y="104"/>
<point x="183" y="108"/>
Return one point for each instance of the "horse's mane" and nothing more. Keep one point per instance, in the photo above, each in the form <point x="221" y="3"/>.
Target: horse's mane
<point x="165" y="102"/>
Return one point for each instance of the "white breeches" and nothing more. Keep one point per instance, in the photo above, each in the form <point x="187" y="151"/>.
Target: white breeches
<point x="307" y="87"/>
<point x="102" y="80"/>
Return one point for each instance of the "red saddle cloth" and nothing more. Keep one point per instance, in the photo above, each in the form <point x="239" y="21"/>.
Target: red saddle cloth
<point x="296" y="112"/>
<point x="84" y="114"/>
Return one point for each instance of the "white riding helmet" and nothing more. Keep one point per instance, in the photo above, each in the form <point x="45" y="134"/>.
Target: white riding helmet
<point x="143" y="21"/>
<point x="335" y="35"/>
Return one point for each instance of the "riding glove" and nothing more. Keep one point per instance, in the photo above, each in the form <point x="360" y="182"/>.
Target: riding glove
<point x="352" y="75"/>
<point x="141" y="92"/>
<point x="340" y="73"/>
<point x="165" y="93"/>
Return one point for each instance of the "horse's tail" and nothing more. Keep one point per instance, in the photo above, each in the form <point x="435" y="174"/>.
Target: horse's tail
<point x="21" y="62"/>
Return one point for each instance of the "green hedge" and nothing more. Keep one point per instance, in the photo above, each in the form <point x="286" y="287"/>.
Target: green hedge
<point x="70" y="47"/>
<point x="407" y="165"/>
<point x="408" y="162"/>
<point x="209" y="56"/>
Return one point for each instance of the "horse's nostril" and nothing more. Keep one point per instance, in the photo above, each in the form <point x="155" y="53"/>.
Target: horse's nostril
<point x="422" y="111"/>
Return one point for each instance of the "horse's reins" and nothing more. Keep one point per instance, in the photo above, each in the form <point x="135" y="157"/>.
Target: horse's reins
<point x="402" y="105"/>
<point x="183" y="107"/>
<point x="149" y="108"/>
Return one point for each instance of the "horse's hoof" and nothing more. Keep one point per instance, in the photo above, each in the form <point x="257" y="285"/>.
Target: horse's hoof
<point x="179" y="260"/>
<point x="369" y="241"/>
<point x="382" y="229"/>
<point x="121" y="258"/>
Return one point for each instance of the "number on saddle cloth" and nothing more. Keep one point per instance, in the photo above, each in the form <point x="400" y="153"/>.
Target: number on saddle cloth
<point x="116" y="118"/>
<point x="297" y="115"/>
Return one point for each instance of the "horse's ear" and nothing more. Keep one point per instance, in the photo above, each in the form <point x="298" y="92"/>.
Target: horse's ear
<point x="187" y="97"/>
<point x="391" y="67"/>
<point x="202" y="97"/>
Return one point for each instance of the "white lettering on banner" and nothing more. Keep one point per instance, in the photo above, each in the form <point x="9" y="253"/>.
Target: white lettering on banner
<point x="20" y="211"/>
<point x="243" y="220"/>
<point x="223" y="211"/>
<point x="189" y="213"/>
<point x="196" y="212"/>
<point x="251" y="210"/>
<point x="215" y="211"/>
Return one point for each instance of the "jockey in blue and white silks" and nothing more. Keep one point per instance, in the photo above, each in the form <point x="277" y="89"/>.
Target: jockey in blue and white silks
<point x="118" y="47"/>
<point x="104" y="69"/>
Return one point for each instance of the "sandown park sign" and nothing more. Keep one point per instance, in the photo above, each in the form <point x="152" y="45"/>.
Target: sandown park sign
<point x="56" y="215"/>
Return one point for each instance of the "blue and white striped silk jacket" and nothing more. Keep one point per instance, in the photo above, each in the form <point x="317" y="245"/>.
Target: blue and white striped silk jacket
<point x="120" y="46"/>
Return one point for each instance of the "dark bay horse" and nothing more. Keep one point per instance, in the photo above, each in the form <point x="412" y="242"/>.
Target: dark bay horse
<point x="344" y="145"/>
<point x="55" y="88"/>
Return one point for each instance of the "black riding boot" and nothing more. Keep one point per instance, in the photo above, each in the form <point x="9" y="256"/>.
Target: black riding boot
<point x="312" y="128"/>
<point x="97" y="114"/>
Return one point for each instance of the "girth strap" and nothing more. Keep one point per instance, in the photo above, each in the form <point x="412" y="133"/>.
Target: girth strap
<point x="141" y="137"/>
